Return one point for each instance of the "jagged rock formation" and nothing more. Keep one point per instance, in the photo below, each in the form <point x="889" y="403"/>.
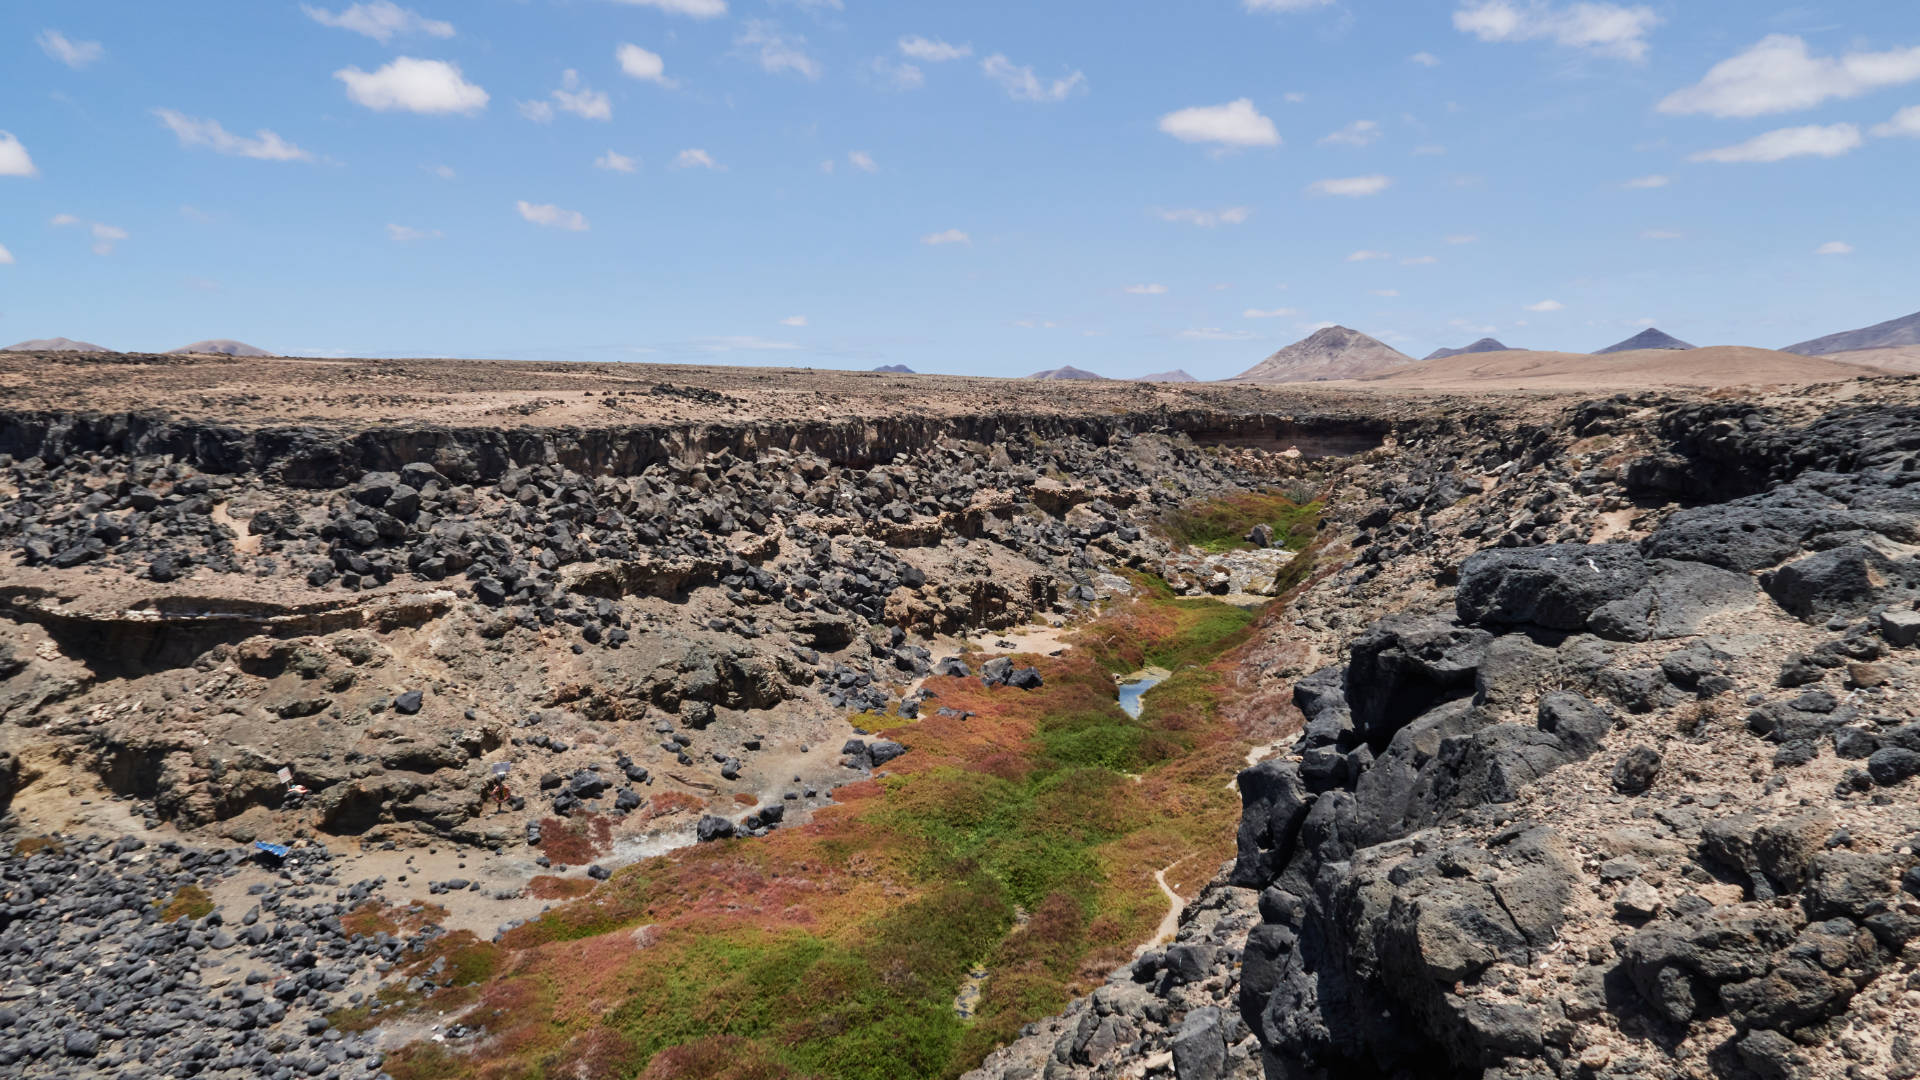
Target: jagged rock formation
<point x="1613" y="771"/>
<point x="1485" y="344"/>
<point x="219" y="347"/>
<point x="1892" y="334"/>
<point x="1650" y="338"/>
<point x="58" y="344"/>
<point x="1067" y="371"/>
<point x="1331" y="353"/>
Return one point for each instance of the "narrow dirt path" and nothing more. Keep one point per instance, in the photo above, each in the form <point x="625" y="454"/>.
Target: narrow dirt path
<point x="1170" y="925"/>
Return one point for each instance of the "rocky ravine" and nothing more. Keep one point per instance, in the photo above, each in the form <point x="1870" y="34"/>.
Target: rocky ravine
<point x="1611" y="775"/>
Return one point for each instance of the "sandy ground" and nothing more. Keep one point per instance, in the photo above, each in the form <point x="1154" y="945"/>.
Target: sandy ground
<point x="1525" y="369"/>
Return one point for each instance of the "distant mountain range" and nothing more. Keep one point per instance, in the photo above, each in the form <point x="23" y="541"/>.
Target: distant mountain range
<point x="58" y="344"/>
<point x="1892" y="334"/>
<point x="895" y="369"/>
<point x="1332" y="353"/>
<point x="1175" y="375"/>
<point x="1485" y="344"/>
<point x="219" y="347"/>
<point x="1067" y="372"/>
<point x="1650" y="338"/>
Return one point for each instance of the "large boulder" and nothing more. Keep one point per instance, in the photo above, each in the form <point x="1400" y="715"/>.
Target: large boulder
<point x="1843" y="581"/>
<point x="1406" y="665"/>
<point x="1607" y="589"/>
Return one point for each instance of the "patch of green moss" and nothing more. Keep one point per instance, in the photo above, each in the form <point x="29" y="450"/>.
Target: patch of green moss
<point x="1222" y="524"/>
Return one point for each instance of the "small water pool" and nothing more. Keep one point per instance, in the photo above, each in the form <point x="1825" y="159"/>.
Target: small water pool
<point x="1137" y="684"/>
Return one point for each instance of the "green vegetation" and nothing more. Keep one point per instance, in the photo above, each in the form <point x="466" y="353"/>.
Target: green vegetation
<point x="1221" y="525"/>
<point x="188" y="902"/>
<point x="1023" y="838"/>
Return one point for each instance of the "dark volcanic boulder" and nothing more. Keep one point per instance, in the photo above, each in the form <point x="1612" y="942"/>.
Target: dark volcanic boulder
<point x="1558" y="586"/>
<point x="1844" y="581"/>
<point x="1608" y="589"/>
<point x="1273" y="802"/>
<point x="1404" y="666"/>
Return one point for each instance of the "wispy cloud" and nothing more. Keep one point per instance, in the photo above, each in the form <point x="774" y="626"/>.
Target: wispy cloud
<point x="1647" y="183"/>
<point x="1600" y="28"/>
<point x="574" y="97"/>
<point x="1425" y="59"/>
<point x="949" y="236"/>
<point x="932" y="51"/>
<point x="1365" y="255"/>
<point x="698" y="9"/>
<point x="407" y="234"/>
<point x="1269" y="313"/>
<point x="1547" y="306"/>
<point x="1779" y="75"/>
<point x="863" y="161"/>
<point x="1834" y="247"/>
<point x="614" y="161"/>
<point x="381" y="20"/>
<point x="776" y="53"/>
<point x="197" y="131"/>
<point x="794" y="320"/>
<point x="1358" y="133"/>
<point x="74" y="54"/>
<point x="696" y="159"/>
<point x="1147" y="290"/>
<point x="105" y="237"/>
<point x="552" y="217"/>
<point x="1352" y="187"/>
<point x="1905" y="123"/>
<point x="1207" y="219"/>
<point x="1830" y="141"/>
<point x="1021" y="84"/>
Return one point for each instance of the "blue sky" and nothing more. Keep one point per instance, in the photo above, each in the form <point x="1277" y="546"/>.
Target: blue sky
<point x="983" y="188"/>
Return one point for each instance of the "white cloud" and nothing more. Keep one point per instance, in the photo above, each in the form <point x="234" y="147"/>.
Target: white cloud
<point x="1463" y="238"/>
<point x="794" y="320"/>
<point x="196" y="131"/>
<point x="1364" y="255"/>
<point x="1420" y="260"/>
<point x="1147" y="290"/>
<point x="444" y="172"/>
<point x="1358" y="133"/>
<point x="696" y="159"/>
<point x="932" y="51"/>
<point x="1237" y="123"/>
<point x="1834" y="247"/>
<point x="1036" y="324"/>
<point x="1271" y="313"/>
<point x="1546" y="306"/>
<point x="13" y="157"/>
<point x="1214" y="333"/>
<point x="1388" y="293"/>
<point x="104" y="236"/>
<point x="698" y="9"/>
<point x="422" y="86"/>
<point x="776" y="53"/>
<point x="897" y="75"/>
<point x="552" y="216"/>
<point x="407" y="234"/>
<point x="1207" y="219"/>
<point x="574" y="97"/>
<point x="862" y="160"/>
<point x="1647" y="183"/>
<point x="614" y="161"/>
<point x="74" y="54"/>
<point x="1425" y="59"/>
<point x="1021" y="84"/>
<point x="1601" y="28"/>
<point x="1661" y="234"/>
<point x="1294" y="97"/>
<point x="6" y="257"/>
<point x="1905" y="122"/>
<point x="950" y="236"/>
<point x="1351" y="187"/>
<point x="1813" y="140"/>
<point x="639" y="63"/>
<point x="381" y="20"/>
<point x="1778" y="75"/>
<point x="1285" y="5"/>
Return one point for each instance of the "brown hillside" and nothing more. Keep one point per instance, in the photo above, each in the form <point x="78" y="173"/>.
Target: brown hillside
<point x="1722" y="365"/>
